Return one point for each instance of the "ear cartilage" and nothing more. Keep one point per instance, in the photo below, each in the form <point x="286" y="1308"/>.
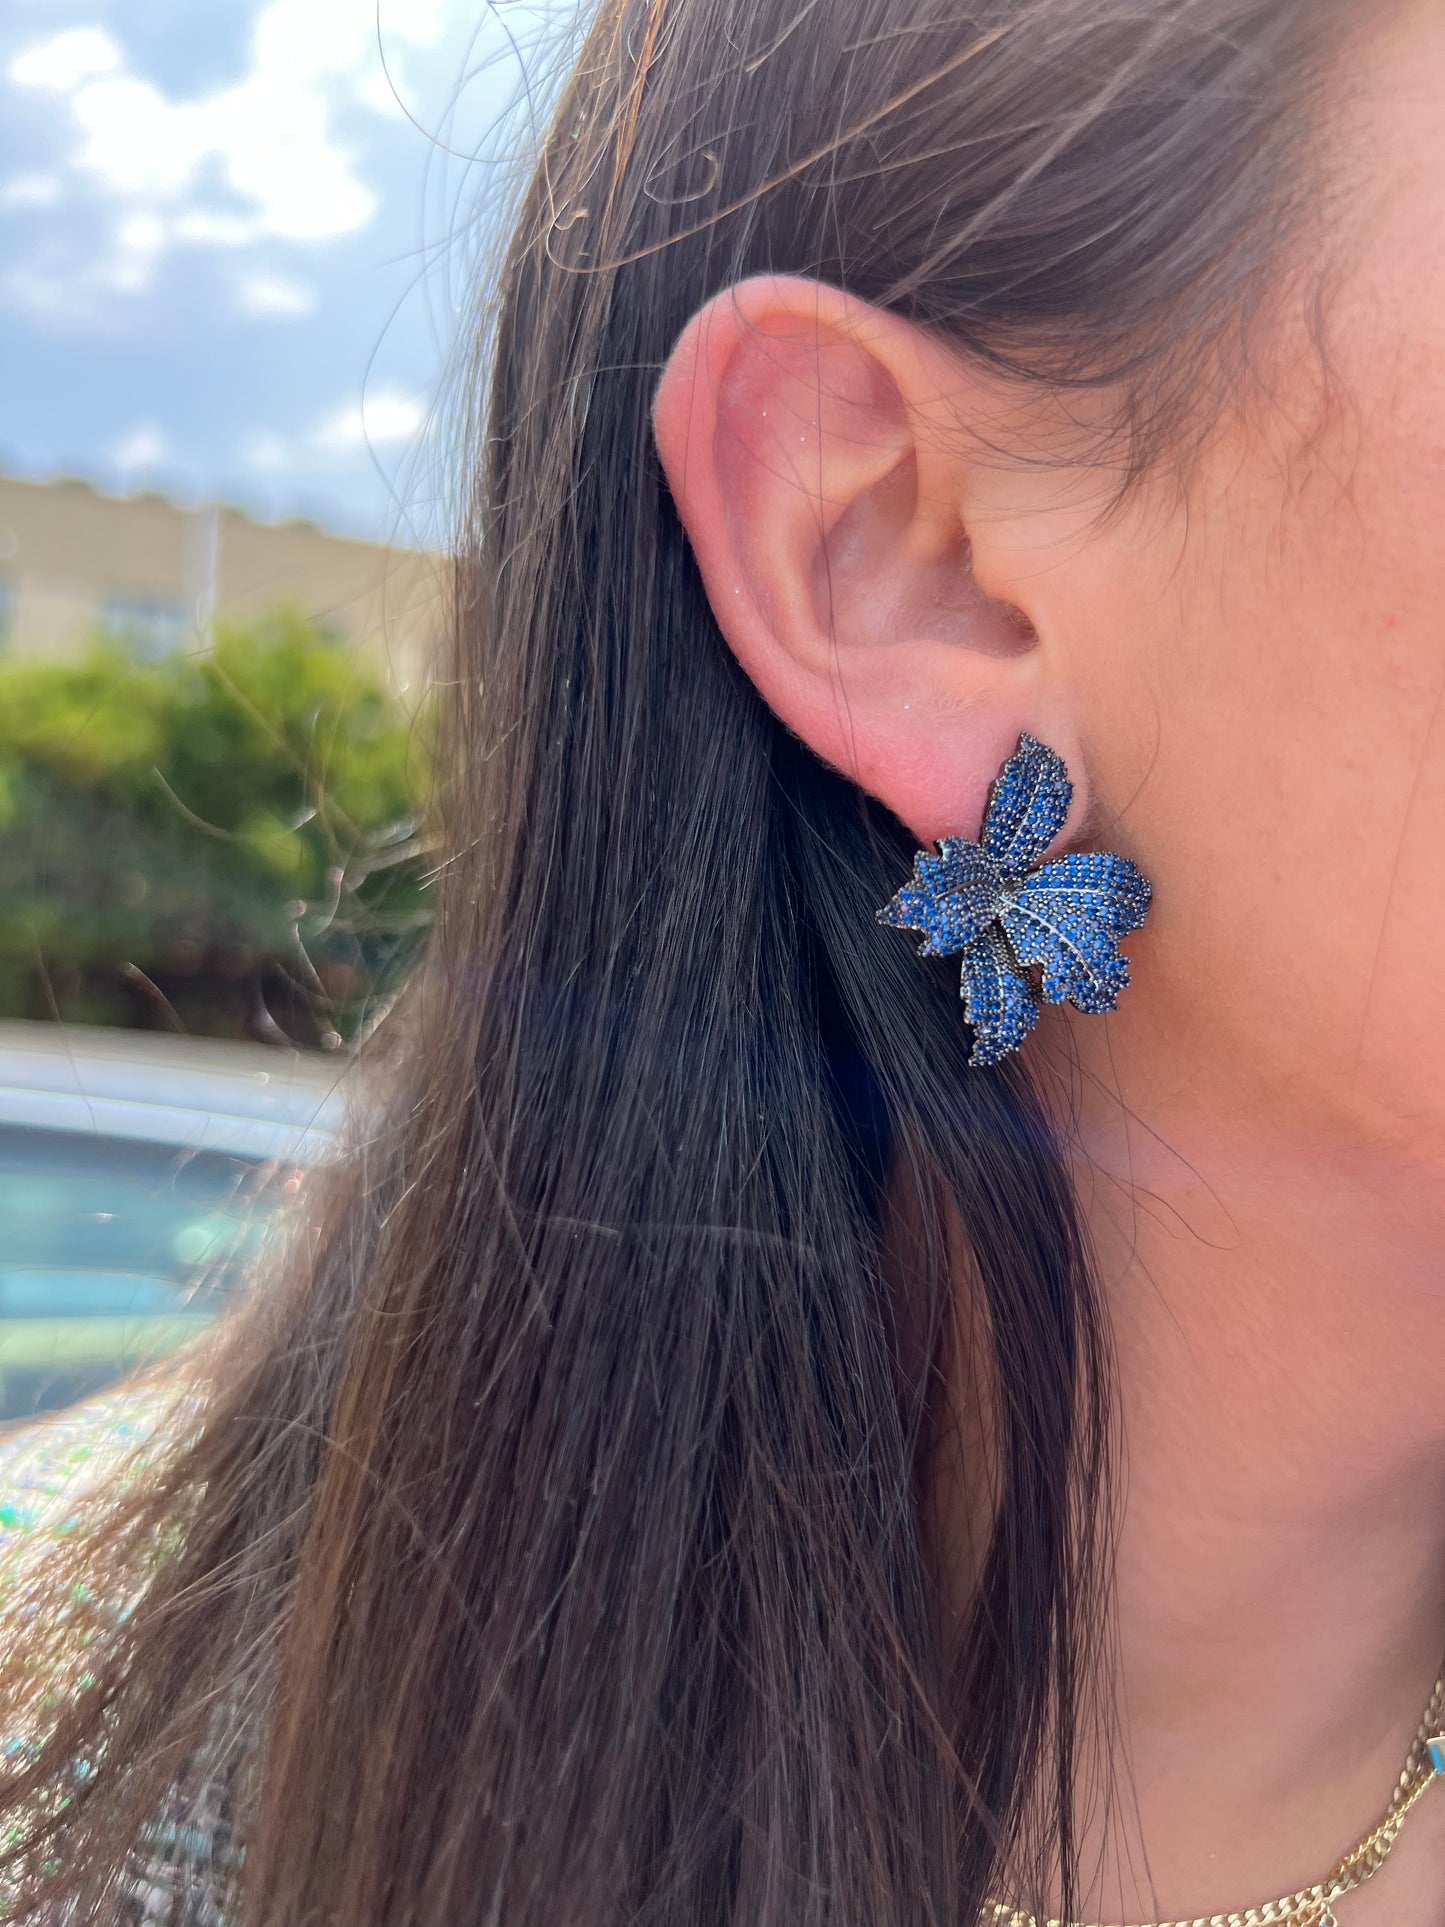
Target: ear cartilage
<point x="987" y="903"/>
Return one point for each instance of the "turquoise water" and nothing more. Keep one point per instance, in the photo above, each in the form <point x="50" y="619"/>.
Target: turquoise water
<point x="112" y="1252"/>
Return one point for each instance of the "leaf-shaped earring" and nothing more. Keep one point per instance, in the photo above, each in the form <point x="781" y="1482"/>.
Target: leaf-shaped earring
<point x="984" y="901"/>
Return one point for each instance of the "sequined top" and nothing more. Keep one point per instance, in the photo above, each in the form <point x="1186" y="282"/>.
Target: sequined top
<point x="49" y="1470"/>
<point x="49" y="1465"/>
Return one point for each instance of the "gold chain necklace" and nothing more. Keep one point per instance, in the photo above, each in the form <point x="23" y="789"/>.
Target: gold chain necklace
<point x="1311" y="1906"/>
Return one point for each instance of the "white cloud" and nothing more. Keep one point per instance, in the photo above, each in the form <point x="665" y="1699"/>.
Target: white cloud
<point x="209" y="229"/>
<point x="324" y="36"/>
<point x="260" y="160"/>
<point x="144" y="447"/>
<point x="269" y="138"/>
<point x="66" y="59"/>
<point x="31" y="287"/>
<point x="267" y="454"/>
<point x="387" y="418"/>
<point x="274" y="294"/>
<point x="380" y="421"/>
<point x="32" y="190"/>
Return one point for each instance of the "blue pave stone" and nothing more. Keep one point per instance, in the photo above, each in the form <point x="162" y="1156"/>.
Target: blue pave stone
<point x="986" y="903"/>
<point x="1436" y="1750"/>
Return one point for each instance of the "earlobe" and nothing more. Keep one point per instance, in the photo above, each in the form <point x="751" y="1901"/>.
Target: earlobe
<point x="805" y="436"/>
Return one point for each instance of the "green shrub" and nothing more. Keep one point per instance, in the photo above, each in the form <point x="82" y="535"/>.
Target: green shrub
<point x="228" y="840"/>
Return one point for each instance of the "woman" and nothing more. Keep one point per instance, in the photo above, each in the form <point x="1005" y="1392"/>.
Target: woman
<point x="743" y="1443"/>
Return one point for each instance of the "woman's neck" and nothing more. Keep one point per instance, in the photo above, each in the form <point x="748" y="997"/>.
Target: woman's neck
<point x="1281" y="1563"/>
<point x="1278" y="1312"/>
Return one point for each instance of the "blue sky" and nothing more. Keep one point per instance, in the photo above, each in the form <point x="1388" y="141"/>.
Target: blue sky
<point x="231" y="263"/>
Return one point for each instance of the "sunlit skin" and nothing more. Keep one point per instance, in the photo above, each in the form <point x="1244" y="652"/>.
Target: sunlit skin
<point x="1245" y="669"/>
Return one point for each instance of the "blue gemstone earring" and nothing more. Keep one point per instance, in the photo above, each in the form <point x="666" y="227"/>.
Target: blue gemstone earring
<point x="983" y="900"/>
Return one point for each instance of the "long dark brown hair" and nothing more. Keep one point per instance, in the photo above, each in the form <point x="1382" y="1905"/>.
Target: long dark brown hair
<point x="550" y="1547"/>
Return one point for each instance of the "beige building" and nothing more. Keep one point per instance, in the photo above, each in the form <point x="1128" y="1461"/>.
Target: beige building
<point x="154" y="573"/>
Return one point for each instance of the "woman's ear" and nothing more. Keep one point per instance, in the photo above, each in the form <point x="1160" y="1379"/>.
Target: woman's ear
<point x="857" y="557"/>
